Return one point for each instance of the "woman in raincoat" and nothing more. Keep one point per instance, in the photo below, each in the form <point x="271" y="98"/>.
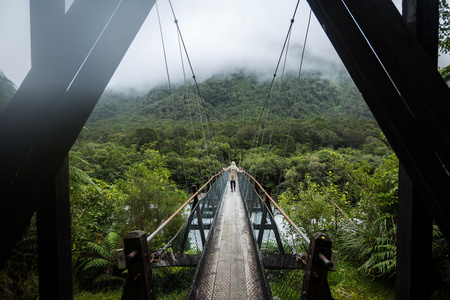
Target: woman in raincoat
<point x="232" y="176"/>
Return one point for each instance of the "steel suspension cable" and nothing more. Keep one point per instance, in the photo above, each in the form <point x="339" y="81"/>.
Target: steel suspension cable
<point x="189" y="108"/>
<point x="203" y="131"/>
<point x="277" y="104"/>
<point x="192" y="71"/>
<point x="278" y="62"/>
<point x="171" y="94"/>
<point x="295" y="96"/>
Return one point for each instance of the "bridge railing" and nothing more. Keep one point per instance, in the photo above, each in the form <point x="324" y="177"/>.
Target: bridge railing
<point x="162" y="271"/>
<point x="291" y="259"/>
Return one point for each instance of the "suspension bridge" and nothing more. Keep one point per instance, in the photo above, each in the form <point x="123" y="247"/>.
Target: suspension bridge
<point x="392" y="60"/>
<point x="233" y="245"/>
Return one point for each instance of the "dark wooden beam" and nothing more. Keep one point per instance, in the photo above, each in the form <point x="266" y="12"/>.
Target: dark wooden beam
<point x="24" y="122"/>
<point x="414" y="227"/>
<point x="414" y="223"/>
<point x="412" y="69"/>
<point x="403" y="130"/>
<point x="54" y="238"/>
<point x="50" y="108"/>
<point x="53" y="211"/>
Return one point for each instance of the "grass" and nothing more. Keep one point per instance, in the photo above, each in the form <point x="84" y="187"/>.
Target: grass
<point x="347" y="282"/>
<point x="105" y="295"/>
<point x="117" y="295"/>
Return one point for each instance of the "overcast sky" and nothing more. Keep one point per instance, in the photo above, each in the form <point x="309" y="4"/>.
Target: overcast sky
<point x="220" y="36"/>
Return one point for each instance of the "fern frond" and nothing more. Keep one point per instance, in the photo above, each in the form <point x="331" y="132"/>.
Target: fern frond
<point x="97" y="249"/>
<point x="112" y="240"/>
<point x="96" y="263"/>
<point x="106" y="278"/>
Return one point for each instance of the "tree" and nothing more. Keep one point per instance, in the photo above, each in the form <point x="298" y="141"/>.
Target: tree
<point x="7" y="91"/>
<point x="444" y="35"/>
<point x="152" y="196"/>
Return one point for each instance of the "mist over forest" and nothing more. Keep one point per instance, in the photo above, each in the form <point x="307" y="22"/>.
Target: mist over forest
<point x="241" y="95"/>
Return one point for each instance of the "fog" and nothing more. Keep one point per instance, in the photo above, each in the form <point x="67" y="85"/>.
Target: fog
<point x="220" y="37"/>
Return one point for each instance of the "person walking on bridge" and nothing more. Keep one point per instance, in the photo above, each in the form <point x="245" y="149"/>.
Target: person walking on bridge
<point x="232" y="176"/>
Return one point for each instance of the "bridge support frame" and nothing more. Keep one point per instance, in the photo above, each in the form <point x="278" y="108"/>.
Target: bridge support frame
<point x="315" y="283"/>
<point x="195" y="206"/>
<point x="272" y="226"/>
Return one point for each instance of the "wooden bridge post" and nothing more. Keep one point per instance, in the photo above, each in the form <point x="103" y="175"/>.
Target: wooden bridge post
<point x="315" y="283"/>
<point x="139" y="284"/>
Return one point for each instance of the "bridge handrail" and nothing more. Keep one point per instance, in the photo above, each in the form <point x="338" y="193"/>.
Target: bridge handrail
<point x="163" y="225"/>
<point x="305" y="238"/>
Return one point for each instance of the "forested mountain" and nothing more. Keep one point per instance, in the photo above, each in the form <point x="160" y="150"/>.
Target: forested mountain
<point x="241" y="96"/>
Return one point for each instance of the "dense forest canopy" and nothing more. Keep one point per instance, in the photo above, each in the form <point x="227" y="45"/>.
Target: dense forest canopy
<point x="240" y="96"/>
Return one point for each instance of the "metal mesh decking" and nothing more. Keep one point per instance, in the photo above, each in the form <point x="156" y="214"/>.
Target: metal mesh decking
<point x="230" y="267"/>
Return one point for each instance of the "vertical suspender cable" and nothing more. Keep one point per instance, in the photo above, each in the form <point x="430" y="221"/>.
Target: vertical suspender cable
<point x="278" y="103"/>
<point x="203" y="131"/>
<point x="193" y="74"/>
<point x="295" y="96"/>
<point x="278" y="63"/>
<point x="171" y="96"/>
<point x="189" y="108"/>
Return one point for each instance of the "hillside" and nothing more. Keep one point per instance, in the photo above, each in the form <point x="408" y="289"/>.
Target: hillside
<point x="238" y="97"/>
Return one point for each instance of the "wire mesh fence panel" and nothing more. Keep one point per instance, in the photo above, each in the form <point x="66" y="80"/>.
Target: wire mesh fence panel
<point x="172" y="282"/>
<point x="285" y="284"/>
<point x="276" y="240"/>
<point x="176" y="263"/>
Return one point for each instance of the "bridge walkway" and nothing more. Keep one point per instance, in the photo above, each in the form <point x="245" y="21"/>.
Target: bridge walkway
<point x="231" y="266"/>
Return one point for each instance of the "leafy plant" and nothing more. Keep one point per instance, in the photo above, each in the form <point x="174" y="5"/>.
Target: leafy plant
<point x="103" y="260"/>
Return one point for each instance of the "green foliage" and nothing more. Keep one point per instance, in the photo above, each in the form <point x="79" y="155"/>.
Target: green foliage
<point x="19" y="278"/>
<point x="104" y="295"/>
<point x="444" y="35"/>
<point x="7" y="91"/>
<point x="337" y="174"/>
<point x="441" y="263"/>
<point x="151" y="196"/>
<point x="238" y="96"/>
<point x="172" y="283"/>
<point x="95" y="211"/>
<point x="314" y="205"/>
<point x="102" y="260"/>
<point x="371" y="245"/>
<point x="347" y="283"/>
<point x="444" y="27"/>
<point x="356" y="206"/>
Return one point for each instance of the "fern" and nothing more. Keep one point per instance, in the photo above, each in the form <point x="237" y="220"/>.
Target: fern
<point x="107" y="278"/>
<point x="96" y="248"/>
<point x="79" y="178"/>
<point x="96" y="263"/>
<point x="374" y="246"/>
<point x="104" y="260"/>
